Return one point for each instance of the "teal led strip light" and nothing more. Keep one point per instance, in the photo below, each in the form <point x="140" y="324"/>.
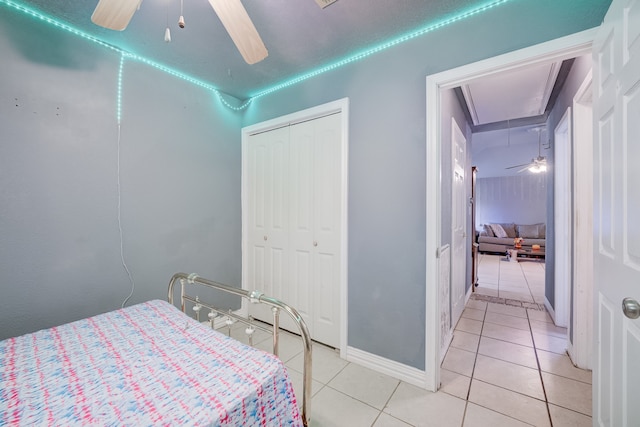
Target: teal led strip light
<point x="381" y="47"/>
<point x="58" y="24"/>
<point x="185" y="77"/>
<point x="119" y="101"/>
<point x="272" y="89"/>
<point x="124" y="54"/>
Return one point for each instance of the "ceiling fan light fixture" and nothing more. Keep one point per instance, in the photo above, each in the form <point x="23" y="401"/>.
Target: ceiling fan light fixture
<point x="181" y="20"/>
<point x="538" y="168"/>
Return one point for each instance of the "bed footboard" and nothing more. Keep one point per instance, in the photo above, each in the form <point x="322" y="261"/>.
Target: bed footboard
<point x="254" y="297"/>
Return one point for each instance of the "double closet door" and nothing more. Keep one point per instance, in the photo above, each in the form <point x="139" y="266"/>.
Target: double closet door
<point x="293" y="222"/>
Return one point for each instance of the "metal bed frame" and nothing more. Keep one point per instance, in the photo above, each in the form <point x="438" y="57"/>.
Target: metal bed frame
<point x="254" y="297"/>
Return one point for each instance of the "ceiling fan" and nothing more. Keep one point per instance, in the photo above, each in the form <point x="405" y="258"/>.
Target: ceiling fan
<point x="116" y="14"/>
<point x="537" y="164"/>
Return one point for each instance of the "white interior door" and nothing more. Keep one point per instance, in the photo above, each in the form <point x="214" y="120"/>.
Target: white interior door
<point x="617" y="215"/>
<point x="458" y="222"/>
<point x="315" y="225"/>
<point x="268" y="215"/>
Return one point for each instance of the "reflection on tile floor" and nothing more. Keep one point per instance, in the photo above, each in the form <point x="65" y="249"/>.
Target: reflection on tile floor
<point x="506" y="366"/>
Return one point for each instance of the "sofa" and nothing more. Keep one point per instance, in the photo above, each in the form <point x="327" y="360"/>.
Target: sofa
<point x="498" y="236"/>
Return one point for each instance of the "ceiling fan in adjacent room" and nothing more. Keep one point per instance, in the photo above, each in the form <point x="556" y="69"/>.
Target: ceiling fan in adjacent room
<point x="537" y="164"/>
<point x="116" y="14"/>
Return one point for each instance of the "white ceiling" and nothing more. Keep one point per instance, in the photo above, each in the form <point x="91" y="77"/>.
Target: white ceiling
<point x="511" y="94"/>
<point x="299" y="35"/>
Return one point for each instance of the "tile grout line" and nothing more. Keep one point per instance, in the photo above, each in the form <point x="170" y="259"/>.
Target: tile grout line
<point x="528" y="286"/>
<point x="473" y="370"/>
<point x="544" y="389"/>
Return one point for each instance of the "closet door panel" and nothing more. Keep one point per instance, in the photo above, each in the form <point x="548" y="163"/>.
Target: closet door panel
<point x="301" y="168"/>
<point x="325" y="304"/>
<point x="326" y="243"/>
<point x="301" y="282"/>
<point x="268" y="215"/>
<point x="327" y="182"/>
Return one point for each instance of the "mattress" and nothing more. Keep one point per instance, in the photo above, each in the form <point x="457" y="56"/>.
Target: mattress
<point x="148" y="364"/>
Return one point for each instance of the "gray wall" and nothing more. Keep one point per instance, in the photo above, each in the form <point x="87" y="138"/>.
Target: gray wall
<point x="579" y="71"/>
<point x="60" y="248"/>
<point x="387" y="171"/>
<point x="518" y="199"/>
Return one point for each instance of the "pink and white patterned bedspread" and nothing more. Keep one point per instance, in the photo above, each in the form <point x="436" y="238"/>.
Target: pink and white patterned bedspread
<point x="147" y="364"/>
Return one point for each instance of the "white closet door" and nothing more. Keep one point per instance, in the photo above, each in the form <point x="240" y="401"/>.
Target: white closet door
<point x="315" y="164"/>
<point x="294" y="222"/>
<point x="268" y="215"/>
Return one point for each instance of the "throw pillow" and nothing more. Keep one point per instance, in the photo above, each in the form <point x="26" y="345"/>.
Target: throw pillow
<point x="528" y="231"/>
<point x="488" y="231"/>
<point x="498" y="230"/>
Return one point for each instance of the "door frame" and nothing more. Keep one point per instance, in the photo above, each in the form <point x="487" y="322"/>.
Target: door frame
<point x="559" y="49"/>
<point x="563" y="236"/>
<point x="581" y="344"/>
<point x="338" y="106"/>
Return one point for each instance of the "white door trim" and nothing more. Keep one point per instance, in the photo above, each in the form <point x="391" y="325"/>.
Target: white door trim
<point x="562" y="193"/>
<point x="339" y="106"/>
<point x="566" y="47"/>
<point x="581" y="348"/>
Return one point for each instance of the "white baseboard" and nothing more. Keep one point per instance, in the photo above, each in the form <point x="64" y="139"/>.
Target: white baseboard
<point x="385" y="366"/>
<point x="550" y="309"/>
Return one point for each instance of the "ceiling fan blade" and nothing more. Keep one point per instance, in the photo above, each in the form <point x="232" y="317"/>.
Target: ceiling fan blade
<point x="114" y="14"/>
<point x="235" y="19"/>
<point x="325" y="3"/>
<point x="519" y="166"/>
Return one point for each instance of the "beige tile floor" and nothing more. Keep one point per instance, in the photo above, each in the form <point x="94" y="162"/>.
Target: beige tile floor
<point x="522" y="280"/>
<point x="506" y="366"/>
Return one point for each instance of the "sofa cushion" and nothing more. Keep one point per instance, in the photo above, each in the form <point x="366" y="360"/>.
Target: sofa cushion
<point x="499" y="231"/>
<point x="542" y="230"/>
<point x="529" y="231"/>
<point x="510" y="229"/>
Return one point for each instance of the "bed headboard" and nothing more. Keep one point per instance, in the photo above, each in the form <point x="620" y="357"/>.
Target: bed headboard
<point x="254" y="297"/>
